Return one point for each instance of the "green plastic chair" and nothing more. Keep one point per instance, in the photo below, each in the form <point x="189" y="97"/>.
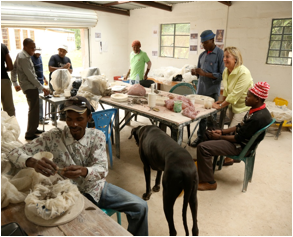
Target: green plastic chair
<point x="110" y="212"/>
<point x="246" y="155"/>
<point x="183" y="88"/>
<point x="195" y="82"/>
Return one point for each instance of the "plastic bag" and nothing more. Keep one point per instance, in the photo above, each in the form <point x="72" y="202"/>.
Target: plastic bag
<point x="60" y="80"/>
<point x="92" y="89"/>
<point x="280" y="113"/>
<point x="91" y="71"/>
<point x="94" y="84"/>
<point x="10" y="132"/>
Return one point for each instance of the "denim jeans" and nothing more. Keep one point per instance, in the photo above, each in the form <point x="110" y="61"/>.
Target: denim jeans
<point x="41" y="118"/>
<point x="207" y="121"/>
<point x="135" y="208"/>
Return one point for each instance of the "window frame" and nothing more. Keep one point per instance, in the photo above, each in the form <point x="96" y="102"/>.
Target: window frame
<point x="24" y="34"/>
<point x="7" y="34"/>
<point x="280" y="49"/>
<point x="174" y="40"/>
<point x="32" y="35"/>
<point x="17" y="41"/>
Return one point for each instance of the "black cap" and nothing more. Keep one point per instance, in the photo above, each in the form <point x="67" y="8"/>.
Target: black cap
<point x="78" y="104"/>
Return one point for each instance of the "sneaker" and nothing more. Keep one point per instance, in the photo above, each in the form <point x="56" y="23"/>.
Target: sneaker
<point x="31" y="138"/>
<point x="206" y="186"/>
<point x="43" y="122"/>
<point x="196" y="142"/>
<point x="39" y="131"/>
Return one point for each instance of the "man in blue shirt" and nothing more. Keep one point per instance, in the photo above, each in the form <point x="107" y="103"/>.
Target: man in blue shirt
<point x="209" y="72"/>
<point x="38" y="65"/>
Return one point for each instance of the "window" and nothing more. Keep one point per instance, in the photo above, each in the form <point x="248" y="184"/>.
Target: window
<point x="175" y="40"/>
<point x="5" y="37"/>
<point x="17" y="38"/>
<point x="32" y="34"/>
<point x="69" y="38"/>
<point x="25" y="35"/>
<point x="280" y="46"/>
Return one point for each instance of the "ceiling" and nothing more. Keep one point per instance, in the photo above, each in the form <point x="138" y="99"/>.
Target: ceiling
<point x="122" y="7"/>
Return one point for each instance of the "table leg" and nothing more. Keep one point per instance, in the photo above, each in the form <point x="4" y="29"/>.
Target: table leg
<point x="127" y="116"/>
<point x="177" y="134"/>
<point x="102" y="105"/>
<point x="222" y="117"/>
<point x="44" y="118"/>
<point x="117" y="135"/>
<point x="279" y="130"/>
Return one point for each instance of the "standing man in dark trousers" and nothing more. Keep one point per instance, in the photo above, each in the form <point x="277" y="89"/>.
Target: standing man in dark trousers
<point x="24" y="69"/>
<point x="6" y="91"/>
<point x="209" y="71"/>
<point x="59" y="61"/>
<point x="38" y="64"/>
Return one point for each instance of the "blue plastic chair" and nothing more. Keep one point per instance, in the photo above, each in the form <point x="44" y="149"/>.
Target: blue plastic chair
<point x="110" y="212"/>
<point x="246" y="155"/>
<point x="104" y="120"/>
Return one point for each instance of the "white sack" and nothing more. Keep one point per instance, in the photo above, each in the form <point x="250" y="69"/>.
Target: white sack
<point x="91" y="71"/>
<point x="92" y="89"/>
<point x="60" y="80"/>
<point x="57" y="198"/>
<point x="280" y="113"/>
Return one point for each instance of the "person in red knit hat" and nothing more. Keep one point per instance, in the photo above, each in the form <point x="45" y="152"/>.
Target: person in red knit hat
<point x="232" y="140"/>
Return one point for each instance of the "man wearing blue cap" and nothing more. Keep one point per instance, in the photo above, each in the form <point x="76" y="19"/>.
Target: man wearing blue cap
<point x="209" y="71"/>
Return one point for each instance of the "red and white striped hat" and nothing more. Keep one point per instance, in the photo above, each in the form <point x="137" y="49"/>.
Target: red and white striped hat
<point x="261" y="89"/>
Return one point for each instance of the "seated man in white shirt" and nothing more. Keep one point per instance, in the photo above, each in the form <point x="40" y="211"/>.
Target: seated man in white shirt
<point x="82" y="152"/>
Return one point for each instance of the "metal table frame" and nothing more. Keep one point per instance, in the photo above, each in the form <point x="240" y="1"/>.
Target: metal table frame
<point x="176" y="130"/>
<point x="53" y="100"/>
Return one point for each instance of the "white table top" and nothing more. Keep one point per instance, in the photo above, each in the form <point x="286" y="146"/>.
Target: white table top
<point x="164" y="113"/>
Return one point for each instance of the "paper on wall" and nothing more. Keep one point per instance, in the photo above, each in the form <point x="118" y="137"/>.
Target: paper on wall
<point x="155" y="53"/>
<point x="98" y="36"/>
<point x="193" y="42"/>
<point x="220" y="36"/>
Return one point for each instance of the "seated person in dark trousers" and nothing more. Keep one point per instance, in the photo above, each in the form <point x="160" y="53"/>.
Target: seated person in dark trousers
<point x="82" y="152"/>
<point x="223" y="143"/>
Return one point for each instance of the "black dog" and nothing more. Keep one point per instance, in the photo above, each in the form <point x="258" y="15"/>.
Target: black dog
<point x="160" y="152"/>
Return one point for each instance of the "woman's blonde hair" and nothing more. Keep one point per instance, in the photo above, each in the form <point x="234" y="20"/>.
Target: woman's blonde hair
<point x="236" y="54"/>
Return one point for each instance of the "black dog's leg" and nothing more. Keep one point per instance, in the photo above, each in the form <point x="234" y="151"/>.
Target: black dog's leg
<point x="193" y="207"/>
<point x="156" y="188"/>
<point x="171" y="191"/>
<point x="147" y="176"/>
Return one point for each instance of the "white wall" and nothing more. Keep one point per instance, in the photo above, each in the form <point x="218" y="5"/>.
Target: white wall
<point x="114" y="30"/>
<point x="249" y="27"/>
<point x="200" y="15"/>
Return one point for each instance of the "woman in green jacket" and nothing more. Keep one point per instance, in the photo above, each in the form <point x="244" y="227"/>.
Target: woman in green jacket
<point x="236" y="81"/>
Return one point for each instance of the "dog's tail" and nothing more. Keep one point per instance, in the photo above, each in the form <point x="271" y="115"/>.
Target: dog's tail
<point x="187" y="192"/>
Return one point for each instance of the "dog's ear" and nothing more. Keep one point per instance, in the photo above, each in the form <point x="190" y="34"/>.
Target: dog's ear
<point x="132" y="132"/>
